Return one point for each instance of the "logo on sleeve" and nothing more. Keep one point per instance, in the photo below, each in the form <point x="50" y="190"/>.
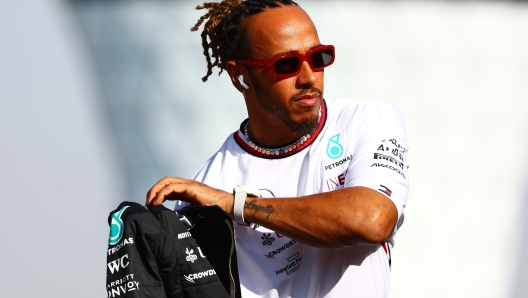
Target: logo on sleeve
<point x="389" y="158"/>
<point x="117" y="264"/>
<point x="191" y="257"/>
<point x="184" y="235"/>
<point x="122" y="286"/>
<point x="334" y="150"/>
<point x="193" y="276"/>
<point x="385" y="190"/>
<point x="116" y="227"/>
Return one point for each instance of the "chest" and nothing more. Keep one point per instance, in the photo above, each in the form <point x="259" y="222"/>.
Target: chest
<point x="321" y="167"/>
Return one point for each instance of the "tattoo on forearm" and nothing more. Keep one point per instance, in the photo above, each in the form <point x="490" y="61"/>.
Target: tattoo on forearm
<point x="216" y="199"/>
<point x="258" y="208"/>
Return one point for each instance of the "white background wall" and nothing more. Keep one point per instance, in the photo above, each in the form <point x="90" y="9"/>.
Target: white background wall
<point x="458" y="72"/>
<point x="57" y="168"/>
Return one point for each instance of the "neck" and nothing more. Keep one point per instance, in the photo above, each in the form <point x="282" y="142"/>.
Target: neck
<point x="271" y="137"/>
<point x="272" y="146"/>
<point x="271" y="132"/>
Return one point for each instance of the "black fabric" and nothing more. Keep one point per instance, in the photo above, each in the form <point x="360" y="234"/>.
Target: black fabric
<point x="157" y="255"/>
<point x="213" y="229"/>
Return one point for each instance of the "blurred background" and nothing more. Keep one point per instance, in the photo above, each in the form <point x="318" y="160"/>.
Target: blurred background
<point x="100" y="99"/>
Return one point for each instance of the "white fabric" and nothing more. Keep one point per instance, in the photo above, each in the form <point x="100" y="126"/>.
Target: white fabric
<point x="363" y="143"/>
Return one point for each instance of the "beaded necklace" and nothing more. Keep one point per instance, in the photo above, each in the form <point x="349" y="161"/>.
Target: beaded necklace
<point x="244" y="141"/>
<point x="282" y="150"/>
<point x="277" y="151"/>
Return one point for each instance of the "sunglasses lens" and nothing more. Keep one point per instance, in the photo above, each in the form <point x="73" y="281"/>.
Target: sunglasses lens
<point x="322" y="58"/>
<point x="287" y="65"/>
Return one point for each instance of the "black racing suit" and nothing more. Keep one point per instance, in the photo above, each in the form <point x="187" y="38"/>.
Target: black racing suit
<point x="163" y="253"/>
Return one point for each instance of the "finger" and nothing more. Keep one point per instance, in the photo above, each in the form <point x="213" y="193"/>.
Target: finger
<point x="159" y="185"/>
<point x="153" y="192"/>
<point x="169" y="192"/>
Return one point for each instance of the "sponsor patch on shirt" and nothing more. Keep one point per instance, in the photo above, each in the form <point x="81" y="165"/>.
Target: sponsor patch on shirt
<point x="267" y="239"/>
<point x="339" y="162"/>
<point x="293" y="265"/>
<point x="273" y="253"/>
<point x="385" y="190"/>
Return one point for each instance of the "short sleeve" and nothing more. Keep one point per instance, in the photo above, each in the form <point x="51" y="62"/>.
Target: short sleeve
<point x="380" y="159"/>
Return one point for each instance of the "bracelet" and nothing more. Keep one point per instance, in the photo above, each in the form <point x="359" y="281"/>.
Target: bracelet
<point x="241" y="192"/>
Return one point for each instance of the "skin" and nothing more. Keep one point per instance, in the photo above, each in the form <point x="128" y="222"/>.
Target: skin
<point x="339" y="218"/>
<point x="296" y="33"/>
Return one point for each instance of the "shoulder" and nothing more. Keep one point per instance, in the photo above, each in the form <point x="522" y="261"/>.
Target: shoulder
<point x="228" y="150"/>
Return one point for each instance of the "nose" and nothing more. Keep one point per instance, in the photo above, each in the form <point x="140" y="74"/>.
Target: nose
<point x="306" y="76"/>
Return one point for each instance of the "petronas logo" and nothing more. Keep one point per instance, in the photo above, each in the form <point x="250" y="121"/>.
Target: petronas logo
<point x="116" y="227"/>
<point x="334" y="149"/>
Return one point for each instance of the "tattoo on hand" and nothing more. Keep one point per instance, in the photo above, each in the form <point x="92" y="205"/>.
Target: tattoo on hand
<point x="253" y="206"/>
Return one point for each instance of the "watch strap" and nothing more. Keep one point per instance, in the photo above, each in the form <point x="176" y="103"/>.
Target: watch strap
<point x="241" y="192"/>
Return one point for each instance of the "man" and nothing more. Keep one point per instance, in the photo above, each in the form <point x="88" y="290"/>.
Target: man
<point x="337" y="167"/>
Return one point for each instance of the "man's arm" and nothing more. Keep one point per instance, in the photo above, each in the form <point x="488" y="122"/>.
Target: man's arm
<point x="339" y="218"/>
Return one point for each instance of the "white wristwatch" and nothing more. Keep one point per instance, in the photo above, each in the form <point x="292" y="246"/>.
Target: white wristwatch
<point x="241" y="192"/>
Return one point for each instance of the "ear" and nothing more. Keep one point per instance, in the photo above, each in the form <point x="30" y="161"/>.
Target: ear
<point x="235" y="71"/>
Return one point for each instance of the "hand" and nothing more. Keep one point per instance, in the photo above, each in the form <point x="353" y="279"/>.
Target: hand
<point x="196" y="193"/>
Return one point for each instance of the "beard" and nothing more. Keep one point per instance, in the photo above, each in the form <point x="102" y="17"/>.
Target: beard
<point x="272" y="105"/>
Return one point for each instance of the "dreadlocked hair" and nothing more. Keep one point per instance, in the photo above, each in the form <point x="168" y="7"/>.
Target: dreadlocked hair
<point x="223" y="28"/>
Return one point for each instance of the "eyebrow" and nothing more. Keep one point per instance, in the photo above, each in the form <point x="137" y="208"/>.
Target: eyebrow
<point x="295" y="51"/>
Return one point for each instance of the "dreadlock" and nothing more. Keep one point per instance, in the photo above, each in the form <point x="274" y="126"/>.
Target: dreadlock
<point x="228" y="38"/>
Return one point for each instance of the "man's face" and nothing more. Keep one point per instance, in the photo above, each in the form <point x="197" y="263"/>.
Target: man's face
<point x="295" y="101"/>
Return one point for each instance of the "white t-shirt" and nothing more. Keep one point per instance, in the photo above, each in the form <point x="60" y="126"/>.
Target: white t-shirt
<point x="358" y="143"/>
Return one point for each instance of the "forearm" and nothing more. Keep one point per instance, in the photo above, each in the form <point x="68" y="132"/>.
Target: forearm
<point x="340" y="218"/>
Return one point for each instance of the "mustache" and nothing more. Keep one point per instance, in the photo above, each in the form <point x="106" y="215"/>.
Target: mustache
<point x="307" y="91"/>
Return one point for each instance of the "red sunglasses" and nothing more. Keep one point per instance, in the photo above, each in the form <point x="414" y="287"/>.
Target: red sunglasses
<point x="289" y="65"/>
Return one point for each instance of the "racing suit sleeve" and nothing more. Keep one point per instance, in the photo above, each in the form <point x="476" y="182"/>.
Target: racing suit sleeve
<point x="153" y="254"/>
<point x="137" y="261"/>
